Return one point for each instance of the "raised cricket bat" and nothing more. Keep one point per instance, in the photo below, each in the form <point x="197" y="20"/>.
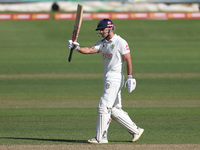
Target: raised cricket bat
<point x="77" y="26"/>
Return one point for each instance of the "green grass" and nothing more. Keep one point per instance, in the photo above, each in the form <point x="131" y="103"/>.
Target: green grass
<point x="90" y="89"/>
<point x="61" y="109"/>
<point x="56" y="126"/>
<point x="41" y="46"/>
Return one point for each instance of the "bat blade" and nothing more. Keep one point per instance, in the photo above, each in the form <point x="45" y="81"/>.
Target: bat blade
<point x="77" y="26"/>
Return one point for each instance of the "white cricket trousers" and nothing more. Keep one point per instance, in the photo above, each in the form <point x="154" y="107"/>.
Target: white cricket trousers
<point x="110" y="104"/>
<point x="111" y="95"/>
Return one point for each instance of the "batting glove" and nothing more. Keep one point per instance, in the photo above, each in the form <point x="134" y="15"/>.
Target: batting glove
<point x="130" y="83"/>
<point x="72" y="44"/>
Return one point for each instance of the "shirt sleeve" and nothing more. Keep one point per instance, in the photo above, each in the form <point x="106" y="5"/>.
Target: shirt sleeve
<point x="123" y="47"/>
<point x="98" y="46"/>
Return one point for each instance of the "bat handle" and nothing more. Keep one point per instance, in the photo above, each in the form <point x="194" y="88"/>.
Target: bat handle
<point x="70" y="55"/>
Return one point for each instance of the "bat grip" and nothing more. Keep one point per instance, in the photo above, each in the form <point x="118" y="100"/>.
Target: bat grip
<point x="71" y="52"/>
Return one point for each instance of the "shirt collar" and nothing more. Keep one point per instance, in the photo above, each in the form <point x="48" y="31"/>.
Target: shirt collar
<point x="113" y="38"/>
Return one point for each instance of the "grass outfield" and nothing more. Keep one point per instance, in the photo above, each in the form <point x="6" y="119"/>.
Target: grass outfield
<point x="44" y="100"/>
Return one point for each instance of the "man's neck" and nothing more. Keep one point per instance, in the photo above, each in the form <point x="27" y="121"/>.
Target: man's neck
<point x="110" y="36"/>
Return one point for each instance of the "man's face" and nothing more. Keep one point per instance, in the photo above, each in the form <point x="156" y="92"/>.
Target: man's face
<point x="104" y="32"/>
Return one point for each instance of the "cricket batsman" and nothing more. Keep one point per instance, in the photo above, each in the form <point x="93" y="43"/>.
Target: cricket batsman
<point x="115" y="52"/>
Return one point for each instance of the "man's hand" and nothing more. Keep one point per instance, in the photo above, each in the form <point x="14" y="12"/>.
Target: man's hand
<point x="71" y="44"/>
<point x="130" y="83"/>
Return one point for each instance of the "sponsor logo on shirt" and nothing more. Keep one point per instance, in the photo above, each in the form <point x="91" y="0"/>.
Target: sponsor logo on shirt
<point x="127" y="48"/>
<point x="107" y="55"/>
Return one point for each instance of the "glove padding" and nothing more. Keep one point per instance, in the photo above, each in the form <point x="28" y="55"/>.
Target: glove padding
<point x="71" y="44"/>
<point x="130" y="83"/>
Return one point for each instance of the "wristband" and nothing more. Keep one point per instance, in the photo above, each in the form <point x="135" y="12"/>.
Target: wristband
<point x="77" y="48"/>
<point x="129" y="76"/>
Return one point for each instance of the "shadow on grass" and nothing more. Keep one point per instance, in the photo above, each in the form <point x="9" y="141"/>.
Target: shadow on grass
<point x="50" y="140"/>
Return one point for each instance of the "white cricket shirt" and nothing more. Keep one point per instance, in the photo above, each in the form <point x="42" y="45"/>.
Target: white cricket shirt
<point x="111" y="52"/>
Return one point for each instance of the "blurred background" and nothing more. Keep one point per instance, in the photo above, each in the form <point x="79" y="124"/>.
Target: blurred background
<point x="101" y="5"/>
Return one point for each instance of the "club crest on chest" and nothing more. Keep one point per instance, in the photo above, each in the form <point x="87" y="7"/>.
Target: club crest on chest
<point x="107" y="85"/>
<point x="112" y="46"/>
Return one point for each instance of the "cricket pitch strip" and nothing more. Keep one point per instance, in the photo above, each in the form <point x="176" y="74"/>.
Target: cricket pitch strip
<point x="103" y="147"/>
